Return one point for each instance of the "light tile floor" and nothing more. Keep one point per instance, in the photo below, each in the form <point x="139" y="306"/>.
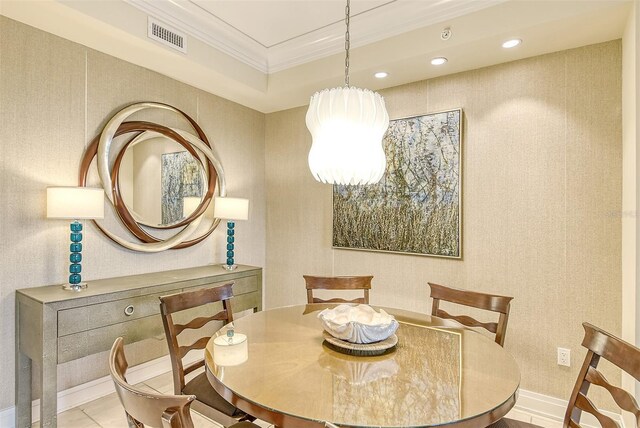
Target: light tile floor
<point x="106" y="412"/>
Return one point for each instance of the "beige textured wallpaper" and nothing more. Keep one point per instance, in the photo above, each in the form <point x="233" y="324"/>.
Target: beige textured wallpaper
<point x="54" y="97"/>
<point x="542" y="186"/>
<point x="542" y="194"/>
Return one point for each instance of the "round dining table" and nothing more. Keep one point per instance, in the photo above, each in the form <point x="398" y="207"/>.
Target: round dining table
<point x="439" y="373"/>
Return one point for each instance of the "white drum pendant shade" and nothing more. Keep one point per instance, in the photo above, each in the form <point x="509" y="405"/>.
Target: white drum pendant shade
<point x="347" y="125"/>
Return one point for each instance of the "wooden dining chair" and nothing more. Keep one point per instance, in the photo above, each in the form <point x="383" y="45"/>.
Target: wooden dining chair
<point x="338" y="283"/>
<point x="208" y="401"/>
<point x="143" y="408"/>
<point x="488" y="302"/>
<point x="599" y="344"/>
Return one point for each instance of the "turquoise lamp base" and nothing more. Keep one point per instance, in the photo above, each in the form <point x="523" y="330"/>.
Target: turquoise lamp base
<point x="75" y="258"/>
<point x="230" y="265"/>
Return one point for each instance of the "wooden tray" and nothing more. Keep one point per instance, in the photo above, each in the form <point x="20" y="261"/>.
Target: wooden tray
<point x="361" y="349"/>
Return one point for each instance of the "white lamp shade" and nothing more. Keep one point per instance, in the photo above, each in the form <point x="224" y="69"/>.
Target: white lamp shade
<point x="231" y="208"/>
<point x="75" y="203"/>
<point x="347" y="125"/>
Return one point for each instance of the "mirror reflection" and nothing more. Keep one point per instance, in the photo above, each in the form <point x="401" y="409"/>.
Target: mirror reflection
<point x="160" y="182"/>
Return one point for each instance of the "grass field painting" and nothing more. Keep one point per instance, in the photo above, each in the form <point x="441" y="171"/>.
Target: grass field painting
<point x="416" y="207"/>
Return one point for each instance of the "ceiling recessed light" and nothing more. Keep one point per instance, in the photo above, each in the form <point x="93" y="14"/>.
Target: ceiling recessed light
<point x="511" y="43"/>
<point x="438" y="61"/>
<point x="381" y="74"/>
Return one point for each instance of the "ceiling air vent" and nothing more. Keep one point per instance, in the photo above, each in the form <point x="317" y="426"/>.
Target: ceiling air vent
<point x="166" y="35"/>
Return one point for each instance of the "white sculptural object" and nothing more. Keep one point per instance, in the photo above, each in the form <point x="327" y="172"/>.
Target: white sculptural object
<point x="358" y="324"/>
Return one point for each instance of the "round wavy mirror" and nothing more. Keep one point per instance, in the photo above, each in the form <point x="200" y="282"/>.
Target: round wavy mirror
<point x="156" y="178"/>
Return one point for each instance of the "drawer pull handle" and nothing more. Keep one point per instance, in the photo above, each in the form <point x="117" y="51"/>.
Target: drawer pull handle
<point x="128" y="311"/>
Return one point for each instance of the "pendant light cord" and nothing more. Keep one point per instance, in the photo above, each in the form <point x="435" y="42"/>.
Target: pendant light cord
<point x="347" y="44"/>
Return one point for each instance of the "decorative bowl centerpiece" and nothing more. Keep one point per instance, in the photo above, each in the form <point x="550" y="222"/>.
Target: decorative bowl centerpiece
<point x="359" y="324"/>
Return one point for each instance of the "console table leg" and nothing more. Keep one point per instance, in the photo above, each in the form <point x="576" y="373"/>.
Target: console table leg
<point x="49" y="373"/>
<point x="49" y="398"/>
<point x="23" y="390"/>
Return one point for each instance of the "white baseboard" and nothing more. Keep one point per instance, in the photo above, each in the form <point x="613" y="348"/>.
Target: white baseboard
<point x="537" y="405"/>
<point x="98" y="388"/>
<point x="552" y="408"/>
<point x="8" y="417"/>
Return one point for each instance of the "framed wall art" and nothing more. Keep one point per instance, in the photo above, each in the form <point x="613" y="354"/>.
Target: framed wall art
<point x="416" y="208"/>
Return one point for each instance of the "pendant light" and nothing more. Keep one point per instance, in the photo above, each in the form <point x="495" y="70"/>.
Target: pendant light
<point x="347" y="125"/>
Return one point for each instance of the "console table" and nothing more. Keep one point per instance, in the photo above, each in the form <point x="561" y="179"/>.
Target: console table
<point x="54" y="326"/>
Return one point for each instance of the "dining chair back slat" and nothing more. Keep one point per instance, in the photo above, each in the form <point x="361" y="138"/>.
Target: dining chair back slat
<point x="198" y="344"/>
<point x="193" y="366"/>
<point x="601" y="344"/>
<point x="338" y="283"/>
<point x="623" y="399"/>
<point x="584" y="404"/>
<point x="484" y="301"/>
<point x="200" y="322"/>
<point x="468" y="321"/>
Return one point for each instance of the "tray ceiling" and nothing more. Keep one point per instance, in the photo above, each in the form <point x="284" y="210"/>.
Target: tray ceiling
<point x="273" y="54"/>
<point x="273" y="35"/>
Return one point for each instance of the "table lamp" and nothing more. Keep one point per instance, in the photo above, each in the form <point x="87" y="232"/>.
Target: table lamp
<point x="231" y="209"/>
<point x="75" y="203"/>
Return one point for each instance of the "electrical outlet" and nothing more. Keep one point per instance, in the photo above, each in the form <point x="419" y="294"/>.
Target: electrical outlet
<point x="564" y="357"/>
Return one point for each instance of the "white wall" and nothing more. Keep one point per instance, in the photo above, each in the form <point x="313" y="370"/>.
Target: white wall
<point x="630" y="189"/>
<point x="629" y="176"/>
<point x="635" y="24"/>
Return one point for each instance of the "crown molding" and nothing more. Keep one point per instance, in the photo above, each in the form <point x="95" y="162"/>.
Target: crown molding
<point x="398" y="17"/>
<point x="189" y="18"/>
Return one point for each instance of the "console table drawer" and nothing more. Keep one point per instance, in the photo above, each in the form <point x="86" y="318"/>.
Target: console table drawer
<point x="85" y="318"/>
<point x="78" y="345"/>
<point x="248" y="284"/>
<point x="90" y="317"/>
<point x="81" y="339"/>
